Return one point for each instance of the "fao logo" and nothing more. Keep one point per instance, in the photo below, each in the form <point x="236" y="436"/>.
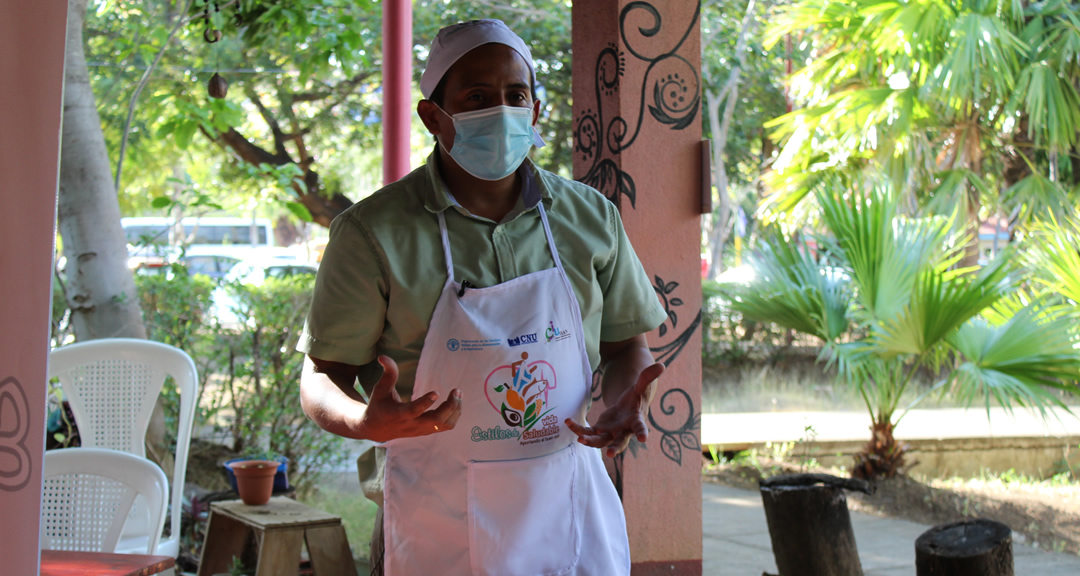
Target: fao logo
<point x="453" y="345"/>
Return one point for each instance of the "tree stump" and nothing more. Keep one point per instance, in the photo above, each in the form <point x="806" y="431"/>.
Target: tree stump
<point x="966" y="548"/>
<point x="809" y="524"/>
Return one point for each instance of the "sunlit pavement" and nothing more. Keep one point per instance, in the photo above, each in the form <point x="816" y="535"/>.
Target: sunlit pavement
<point x="736" y="541"/>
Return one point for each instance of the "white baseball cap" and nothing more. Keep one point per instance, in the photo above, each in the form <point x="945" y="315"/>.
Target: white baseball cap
<point x="453" y="42"/>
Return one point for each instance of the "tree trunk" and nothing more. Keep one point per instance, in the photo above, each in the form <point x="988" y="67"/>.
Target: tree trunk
<point x="882" y="457"/>
<point x="718" y="232"/>
<point x="729" y="96"/>
<point x="976" y="547"/>
<point x="810" y="526"/>
<point x="971" y="250"/>
<point x="100" y="286"/>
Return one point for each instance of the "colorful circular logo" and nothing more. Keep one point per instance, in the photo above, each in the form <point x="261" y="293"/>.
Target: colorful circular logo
<point x="453" y="345"/>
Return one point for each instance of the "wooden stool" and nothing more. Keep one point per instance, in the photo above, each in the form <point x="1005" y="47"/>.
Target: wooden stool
<point x="280" y="528"/>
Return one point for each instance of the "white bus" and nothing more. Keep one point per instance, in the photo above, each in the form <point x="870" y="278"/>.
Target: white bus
<point x="212" y="231"/>
<point x="154" y="241"/>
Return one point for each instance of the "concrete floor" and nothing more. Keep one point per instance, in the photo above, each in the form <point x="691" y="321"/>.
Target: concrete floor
<point x="736" y="541"/>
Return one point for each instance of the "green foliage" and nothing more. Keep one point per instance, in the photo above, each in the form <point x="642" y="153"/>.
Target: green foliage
<point x="730" y="338"/>
<point x="911" y="308"/>
<point x="258" y="399"/>
<point x="761" y="90"/>
<point x="972" y="104"/>
<point x="175" y="306"/>
<point x="307" y="68"/>
<point x="249" y="375"/>
<point x="1054" y="260"/>
<point x="803" y="295"/>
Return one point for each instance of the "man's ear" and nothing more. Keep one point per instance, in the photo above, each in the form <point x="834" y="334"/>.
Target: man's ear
<point x="537" y="105"/>
<point x="429" y="114"/>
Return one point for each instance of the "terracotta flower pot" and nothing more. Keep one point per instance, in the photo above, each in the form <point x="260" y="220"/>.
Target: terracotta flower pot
<point x="254" y="480"/>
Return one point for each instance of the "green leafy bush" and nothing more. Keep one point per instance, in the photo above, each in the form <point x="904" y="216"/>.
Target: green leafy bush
<point x="258" y="397"/>
<point x="249" y="375"/>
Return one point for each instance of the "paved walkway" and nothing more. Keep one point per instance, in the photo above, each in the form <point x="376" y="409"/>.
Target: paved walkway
<point x="736" y="541"/>
<point x="930" y="424"/>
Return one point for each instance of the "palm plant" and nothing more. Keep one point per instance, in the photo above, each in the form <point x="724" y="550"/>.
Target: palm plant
<point x="972" y="103"/>
<point x="886" y="297"/>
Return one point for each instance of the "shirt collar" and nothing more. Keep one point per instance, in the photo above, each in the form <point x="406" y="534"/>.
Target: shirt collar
<point x="437" y="198"/>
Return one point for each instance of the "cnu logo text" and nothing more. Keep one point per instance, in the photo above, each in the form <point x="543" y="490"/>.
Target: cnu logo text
<point x="523" y="339"/>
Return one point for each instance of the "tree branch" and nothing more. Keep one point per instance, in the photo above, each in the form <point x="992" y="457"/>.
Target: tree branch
<point x="246" y="150"/>
<point x="275" y="128"/>
<point x="138" y="90"/>
<point x="341" y="89"/>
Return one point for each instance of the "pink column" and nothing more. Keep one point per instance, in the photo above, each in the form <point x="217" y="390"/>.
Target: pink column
<point x="397" y="80"/>
<point x="638" y="140"/>
<point x="32" y="64"/>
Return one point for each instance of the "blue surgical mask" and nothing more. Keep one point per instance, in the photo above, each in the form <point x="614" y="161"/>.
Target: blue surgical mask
<point x="491" y="143"/>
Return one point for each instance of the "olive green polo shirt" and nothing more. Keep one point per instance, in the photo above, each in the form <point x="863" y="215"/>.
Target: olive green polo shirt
<point x="383" y="269"/>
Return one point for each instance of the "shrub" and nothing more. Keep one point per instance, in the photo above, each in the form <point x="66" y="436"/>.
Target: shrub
<point x="258" y="398"/>
<point x="249" y="375"/>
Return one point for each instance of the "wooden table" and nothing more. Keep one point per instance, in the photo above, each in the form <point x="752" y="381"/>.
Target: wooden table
<point x="273" y="536"/>
<point x="70" y="563"/>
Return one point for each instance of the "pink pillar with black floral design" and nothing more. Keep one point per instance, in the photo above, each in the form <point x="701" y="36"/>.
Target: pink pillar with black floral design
<point x="637" y="138"/>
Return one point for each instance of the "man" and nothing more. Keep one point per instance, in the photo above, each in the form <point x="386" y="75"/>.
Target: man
<point x="473" y="299"/>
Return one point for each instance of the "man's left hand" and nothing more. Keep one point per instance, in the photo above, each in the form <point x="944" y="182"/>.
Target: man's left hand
<point x="626" y="418"/>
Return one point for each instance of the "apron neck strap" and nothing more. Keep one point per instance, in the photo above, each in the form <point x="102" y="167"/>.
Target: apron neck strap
<point x="547" y="233"/>
<point x="450" y="259"/>
<point x="446" y="247"/>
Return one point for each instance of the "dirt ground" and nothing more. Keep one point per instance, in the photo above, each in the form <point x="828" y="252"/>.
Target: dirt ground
<point x="1040" y="515"/>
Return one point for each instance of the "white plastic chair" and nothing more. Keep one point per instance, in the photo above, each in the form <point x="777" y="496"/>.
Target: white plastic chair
<point x="88" y="494"/>
<point x="112" y="385"/>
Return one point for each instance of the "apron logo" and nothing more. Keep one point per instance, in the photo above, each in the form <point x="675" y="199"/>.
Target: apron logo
<point x="523" y="339"/>
<point x="519" y="391"/>
<point x="496" y="433"/>
<point x="453" y="345"/>
<point x="555" y="334"/>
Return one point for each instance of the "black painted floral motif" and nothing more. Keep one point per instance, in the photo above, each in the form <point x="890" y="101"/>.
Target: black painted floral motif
<point x="682" y="436"/>
<point x="663" y="289"/>
<point x="676" y="98"/>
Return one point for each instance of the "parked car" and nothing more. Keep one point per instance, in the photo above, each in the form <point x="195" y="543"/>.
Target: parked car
<point x="215" y="266"/>
<point x="252" y="273"/>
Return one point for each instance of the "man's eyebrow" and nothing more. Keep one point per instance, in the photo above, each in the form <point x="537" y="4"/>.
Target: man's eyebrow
<point x="482" y="84"/>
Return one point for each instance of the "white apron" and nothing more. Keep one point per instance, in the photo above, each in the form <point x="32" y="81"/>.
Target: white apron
<point x="508" y="491"/>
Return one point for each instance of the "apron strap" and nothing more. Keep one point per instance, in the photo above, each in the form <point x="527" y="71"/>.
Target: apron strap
<point x="446" y="247"/>
<point x="550" y="239"/>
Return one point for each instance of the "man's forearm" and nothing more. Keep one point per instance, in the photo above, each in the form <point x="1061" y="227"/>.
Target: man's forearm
<point x="330" y="400"/>
<point x="622" y="362"/>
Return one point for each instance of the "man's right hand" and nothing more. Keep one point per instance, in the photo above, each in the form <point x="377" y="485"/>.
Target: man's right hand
<point x="387" y="417"/>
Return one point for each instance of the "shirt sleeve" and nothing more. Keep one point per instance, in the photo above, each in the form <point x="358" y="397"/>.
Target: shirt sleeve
<point x="348" y="307"/>
<point x="631" y="306"/>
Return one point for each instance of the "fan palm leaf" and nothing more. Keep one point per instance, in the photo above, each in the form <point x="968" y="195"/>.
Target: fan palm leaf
<point x="1020" y="362"/>
<point x="941" y="302"/>
<point x="792" y="290"/>
<point x="885" y="253"/>
<point x="1055" y="258"/>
